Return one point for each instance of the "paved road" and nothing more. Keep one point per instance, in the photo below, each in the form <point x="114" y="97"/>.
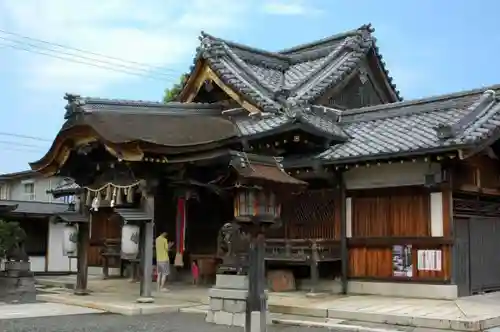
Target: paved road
<point x="40" y="309"/>
<point x="178" y="322"/>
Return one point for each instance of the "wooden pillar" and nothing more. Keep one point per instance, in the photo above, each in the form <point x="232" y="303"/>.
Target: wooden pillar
<point x="314" y="266"/>
<point x="344" y="251"/>
<point x="146" y="248"/>
<point x="82" y="249"/>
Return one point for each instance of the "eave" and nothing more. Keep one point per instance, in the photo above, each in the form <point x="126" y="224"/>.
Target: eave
<point x="133" y="151"/>
<point x="291" y="126"/>
<point x="314" y="163"/>
<point x="67" y="140"/>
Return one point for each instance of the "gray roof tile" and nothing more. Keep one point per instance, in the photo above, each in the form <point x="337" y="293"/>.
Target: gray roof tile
<point x="114" y="112"/>
<point x="314" y="117"/>
<point x="67" y="188"/>
<point x="36" y="208"/>
<point x="298" y="75"/>
<point x="413" y="126"/>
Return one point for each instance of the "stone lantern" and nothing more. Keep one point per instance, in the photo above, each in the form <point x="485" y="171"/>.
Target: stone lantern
<point x="260" y="184"/>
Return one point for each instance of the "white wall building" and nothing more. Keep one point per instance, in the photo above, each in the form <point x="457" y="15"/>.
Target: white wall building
<point x="35" y="208"/>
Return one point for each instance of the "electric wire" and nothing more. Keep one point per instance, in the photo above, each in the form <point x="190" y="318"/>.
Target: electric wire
<point x="76" y="60"/>
<point x="140" y="64"/>
<point x="80" y="56"/>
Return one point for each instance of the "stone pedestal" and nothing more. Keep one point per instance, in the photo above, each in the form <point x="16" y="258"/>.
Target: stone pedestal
<point x="17" y="283"/>
<point x="228" y="300"/>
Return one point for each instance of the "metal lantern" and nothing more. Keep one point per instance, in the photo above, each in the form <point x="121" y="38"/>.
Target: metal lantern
<point x="70" y="240"/>
<point x="256" y="205"/>
<point x="130" y="241"/>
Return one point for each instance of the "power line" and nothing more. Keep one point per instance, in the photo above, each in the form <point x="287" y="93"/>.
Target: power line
<point x="25" y="136"/>
<point x="107" y="64"/>
<point x="17" y="47"/>
<point x="22" y="144"/>
<point x="53" y="44"/>
<point x="21" y="150"/>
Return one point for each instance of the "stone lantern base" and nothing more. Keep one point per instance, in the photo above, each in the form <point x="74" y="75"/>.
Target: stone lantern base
<point x="17" y="283"/>
<point x="228" y="300"/>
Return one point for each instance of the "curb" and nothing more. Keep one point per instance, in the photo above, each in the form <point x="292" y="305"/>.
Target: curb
<point x="411" y="321"/>
<point x="52" y="283"/>
<point x="301" y="311"/>
<point x="332" y="326"/>
<point x="126" y="310"/>
<point x="194" y="310"/>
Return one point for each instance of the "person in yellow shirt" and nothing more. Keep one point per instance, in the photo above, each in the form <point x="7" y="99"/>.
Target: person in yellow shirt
<point x="162" y="260"/>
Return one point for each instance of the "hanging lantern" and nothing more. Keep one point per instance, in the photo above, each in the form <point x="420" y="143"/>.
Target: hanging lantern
<point x="130" y="241"/>
<point x="254" y="205"/>
<point x="70" y="240"/>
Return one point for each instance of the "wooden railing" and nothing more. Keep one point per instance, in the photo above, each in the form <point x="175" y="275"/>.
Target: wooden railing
<point x="302" y="250"/>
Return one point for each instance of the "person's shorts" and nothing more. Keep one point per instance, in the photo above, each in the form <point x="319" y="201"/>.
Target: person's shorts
<point x="163" y="267"/>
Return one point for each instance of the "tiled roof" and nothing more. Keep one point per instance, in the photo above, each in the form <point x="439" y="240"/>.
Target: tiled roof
<point x="277" y="80"/>
<point x="67" y="188"/>
<point x="77" y="103"/>
<point x="17" y="175"/>
<point x="266" y="169"/>
<point x="122" y="121"/>
<point x="321" y="120"/>
<point x="36" y="208"/>
<point x="112" y="114"/>
<point x="443" y="122"/>
<point x="419" y="126"/>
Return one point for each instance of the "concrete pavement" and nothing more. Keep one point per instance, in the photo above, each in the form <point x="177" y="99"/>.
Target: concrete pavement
<point x="115" y="323"/>
<point x="475" y="313"/>
<point x="30" y="310"/>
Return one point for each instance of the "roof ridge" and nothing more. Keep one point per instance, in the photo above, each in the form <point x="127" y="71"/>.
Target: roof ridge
<point x="130" y="102"/>
<point x="365" y="27"/>
<point x="245" y="47"/>
<point x="349" y="42"/>
<point x="420" y="101"/>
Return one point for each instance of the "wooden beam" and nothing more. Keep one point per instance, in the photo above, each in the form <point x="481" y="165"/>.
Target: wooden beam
<point x="205" y="73"/>
<point x="231" y="93"/>
<point x="197" y="83"/>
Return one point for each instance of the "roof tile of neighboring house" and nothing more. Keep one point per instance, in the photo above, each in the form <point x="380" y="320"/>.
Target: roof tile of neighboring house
<point x="36" y="208"/>
<point x="418" y="125"/>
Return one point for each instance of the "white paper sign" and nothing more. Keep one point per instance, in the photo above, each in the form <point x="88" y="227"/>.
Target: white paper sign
<point x="429" y="260"/>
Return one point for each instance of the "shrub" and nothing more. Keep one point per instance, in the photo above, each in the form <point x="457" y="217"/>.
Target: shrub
<point x="11" y="235"/>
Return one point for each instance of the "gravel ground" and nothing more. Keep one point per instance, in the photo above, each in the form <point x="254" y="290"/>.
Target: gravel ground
<point x="177" y="322"/>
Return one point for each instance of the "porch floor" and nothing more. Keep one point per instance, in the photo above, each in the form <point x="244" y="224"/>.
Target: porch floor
<point x="472" y="313"/>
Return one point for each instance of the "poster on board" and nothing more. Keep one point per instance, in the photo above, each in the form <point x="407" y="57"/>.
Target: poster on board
<point x="402" y="261"/>
<point x="429" y="260"/>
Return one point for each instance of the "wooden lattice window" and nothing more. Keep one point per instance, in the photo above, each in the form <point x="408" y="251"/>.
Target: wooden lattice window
<point x="310" y="215"/>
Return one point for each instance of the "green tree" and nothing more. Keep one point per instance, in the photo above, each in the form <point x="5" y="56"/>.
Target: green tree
<point x="11" y="235"/>
<point x="172" y="93"/>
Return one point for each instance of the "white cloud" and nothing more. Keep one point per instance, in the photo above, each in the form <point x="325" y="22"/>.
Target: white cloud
<point x="290" y="7"/>
<point x="155" y="32"/>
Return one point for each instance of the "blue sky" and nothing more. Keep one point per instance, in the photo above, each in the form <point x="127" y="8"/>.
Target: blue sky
<point x="430" y="47"/>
